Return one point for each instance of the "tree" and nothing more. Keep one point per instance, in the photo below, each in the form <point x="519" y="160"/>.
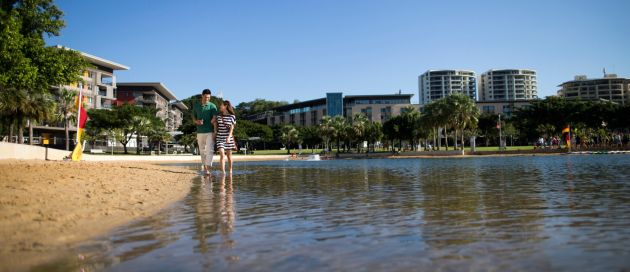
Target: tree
<point x="487" y="125"/>
<point x="360" y="123"/>
<point x="463" y="113"/>
<point x="436" y="117"/>
<point x="188" y="140"/>
<point x="339" y="126"/>
<point x="326" y="130"/>
<point x="142" y="125"/>
<point x="310" y="136"/>
<point x="246" y="129"/>
<point x="409" y="123"/>
<point x="289" y="135"/>
<point x="66" y="106"/>
<point x="257" y="106"/>
<point x="157" y="133"/>
<point x="391" y="130"/>
<point x="373" y="134"/>
<point x="101" y="122"/>
<point x="27" y="67"/>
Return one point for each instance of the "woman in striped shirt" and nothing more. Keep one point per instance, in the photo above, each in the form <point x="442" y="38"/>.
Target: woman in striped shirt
<point x="226" y="120"/>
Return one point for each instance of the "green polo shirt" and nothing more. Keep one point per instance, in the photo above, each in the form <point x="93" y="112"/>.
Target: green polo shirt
<point x="204" y="112"/>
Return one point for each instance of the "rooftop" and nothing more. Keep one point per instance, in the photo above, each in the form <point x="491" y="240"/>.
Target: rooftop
<point x="161" y="88"/>
<point x="98" y="60"/>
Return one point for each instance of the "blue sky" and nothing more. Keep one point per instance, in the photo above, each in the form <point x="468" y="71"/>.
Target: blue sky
<point x="288" y="50"/>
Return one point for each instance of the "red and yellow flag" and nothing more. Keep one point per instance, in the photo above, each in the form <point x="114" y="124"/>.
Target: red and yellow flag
<point x="566" y="130"/>
<point x="82" y="117"/>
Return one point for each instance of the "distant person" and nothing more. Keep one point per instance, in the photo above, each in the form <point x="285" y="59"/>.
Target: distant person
<point x="226" y="120"/>
<point x="204" y="117"/>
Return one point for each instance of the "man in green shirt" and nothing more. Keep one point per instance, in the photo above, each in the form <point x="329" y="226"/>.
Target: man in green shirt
<point x="203" y="116"/>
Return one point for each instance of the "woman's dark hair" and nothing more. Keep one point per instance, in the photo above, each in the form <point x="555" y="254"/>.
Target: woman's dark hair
<point x="206" y="91"/>
<point x="228" y="107"/>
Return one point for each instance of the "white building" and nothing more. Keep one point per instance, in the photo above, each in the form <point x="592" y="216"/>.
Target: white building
<point x="610" y="88"/>
<point x="436" y="84"/>
<point x="508" y="85"/>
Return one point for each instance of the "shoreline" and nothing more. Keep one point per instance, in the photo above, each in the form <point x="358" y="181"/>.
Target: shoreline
<point x="47" y="207"/>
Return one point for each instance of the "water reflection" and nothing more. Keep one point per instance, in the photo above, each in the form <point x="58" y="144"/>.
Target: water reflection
<point x="520" y="213"/>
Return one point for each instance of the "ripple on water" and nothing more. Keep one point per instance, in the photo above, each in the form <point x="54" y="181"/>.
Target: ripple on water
<point x="515" y="213"/>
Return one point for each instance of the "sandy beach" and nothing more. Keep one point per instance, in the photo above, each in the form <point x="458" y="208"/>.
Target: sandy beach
<point x="48" y="206"/>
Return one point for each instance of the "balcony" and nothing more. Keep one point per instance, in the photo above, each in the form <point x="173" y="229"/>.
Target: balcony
<point x="106" y="80"/>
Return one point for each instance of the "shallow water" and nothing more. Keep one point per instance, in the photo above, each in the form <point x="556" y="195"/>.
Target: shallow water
<point x="549" y="213"/>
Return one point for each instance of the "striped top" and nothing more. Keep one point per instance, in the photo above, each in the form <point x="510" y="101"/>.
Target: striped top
<point x="224" y="123"/>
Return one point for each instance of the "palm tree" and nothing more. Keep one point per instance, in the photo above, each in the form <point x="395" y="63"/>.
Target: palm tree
<point x="409" y="126"/>
<point x="142" y="126"/>
<point x="463" y="113"/>
<point x="159" y="134"/>
<point x="373" y="134"/>
<point x="66" y="105"/>
<point x="435" y="118"/>
<point x="43" y="109"/>
<point x="326" y="130"/>
<point x="289" y="134"/>
<point x="16" y="103"/>
<point x="360" y="123"/>
<point x="339" y="124"/>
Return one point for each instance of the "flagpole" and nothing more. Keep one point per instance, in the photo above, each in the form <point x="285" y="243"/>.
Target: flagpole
<point x="569" y="138"/>
<point x="79" y="114"/>
<point x="500" y="136"/>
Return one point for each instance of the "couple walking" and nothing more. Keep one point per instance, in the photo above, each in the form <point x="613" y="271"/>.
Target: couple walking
<point x="214" y="126"/>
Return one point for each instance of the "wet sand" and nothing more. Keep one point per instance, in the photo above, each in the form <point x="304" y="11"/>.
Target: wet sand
<point x="46" y="207"/>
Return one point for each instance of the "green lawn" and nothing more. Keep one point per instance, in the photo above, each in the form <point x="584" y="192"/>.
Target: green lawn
<point x="317" y="151"/>
<point x="496" y="148"/>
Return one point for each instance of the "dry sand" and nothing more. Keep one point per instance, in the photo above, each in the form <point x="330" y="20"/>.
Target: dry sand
<point x="48" y="206"/>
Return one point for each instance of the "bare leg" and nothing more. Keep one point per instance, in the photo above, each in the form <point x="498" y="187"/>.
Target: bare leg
<point x="222" y="159"/>
<point x="209" y="151"/>
<point x="229" y="157"/>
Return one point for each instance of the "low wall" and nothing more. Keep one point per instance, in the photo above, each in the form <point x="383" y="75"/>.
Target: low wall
<point x="33" y="152"/>
<point x="30" y="152"/>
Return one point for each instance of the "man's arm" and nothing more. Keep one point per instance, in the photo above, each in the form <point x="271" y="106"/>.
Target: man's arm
<point x="194" y="116"/>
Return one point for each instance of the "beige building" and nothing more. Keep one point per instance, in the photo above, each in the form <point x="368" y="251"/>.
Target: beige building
<point x="153" y="95"/>
<point x="610" y="88"/>
<point x="99" y="86"/>
<point x="508" y="85"/>
<point x="503" y="107"/>
<point x="378" y="108"/>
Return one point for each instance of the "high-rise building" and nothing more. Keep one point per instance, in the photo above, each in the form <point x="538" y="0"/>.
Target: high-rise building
<point x="436" y="84"/>
<point x="508" y="85"/>
<point x="610" y="88"/>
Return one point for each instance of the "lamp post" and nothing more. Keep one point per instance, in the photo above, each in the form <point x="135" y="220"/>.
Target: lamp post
<point x="500" y="134"/>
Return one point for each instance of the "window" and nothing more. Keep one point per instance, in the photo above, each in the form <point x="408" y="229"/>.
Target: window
<point x="368" y="112"/>
<point x="487" y="109"/>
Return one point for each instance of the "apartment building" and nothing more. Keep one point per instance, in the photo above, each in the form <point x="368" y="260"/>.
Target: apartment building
<point x="98" y="86"/>
<point x="610" y="88"/>
<point x="99" y="81"/>
<point x="378" y="108"/>
<point x="508" y="85"/>
<point x="436" y="84"/>
<point x="153" y="95"/>
<point x="503" y="107"/>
